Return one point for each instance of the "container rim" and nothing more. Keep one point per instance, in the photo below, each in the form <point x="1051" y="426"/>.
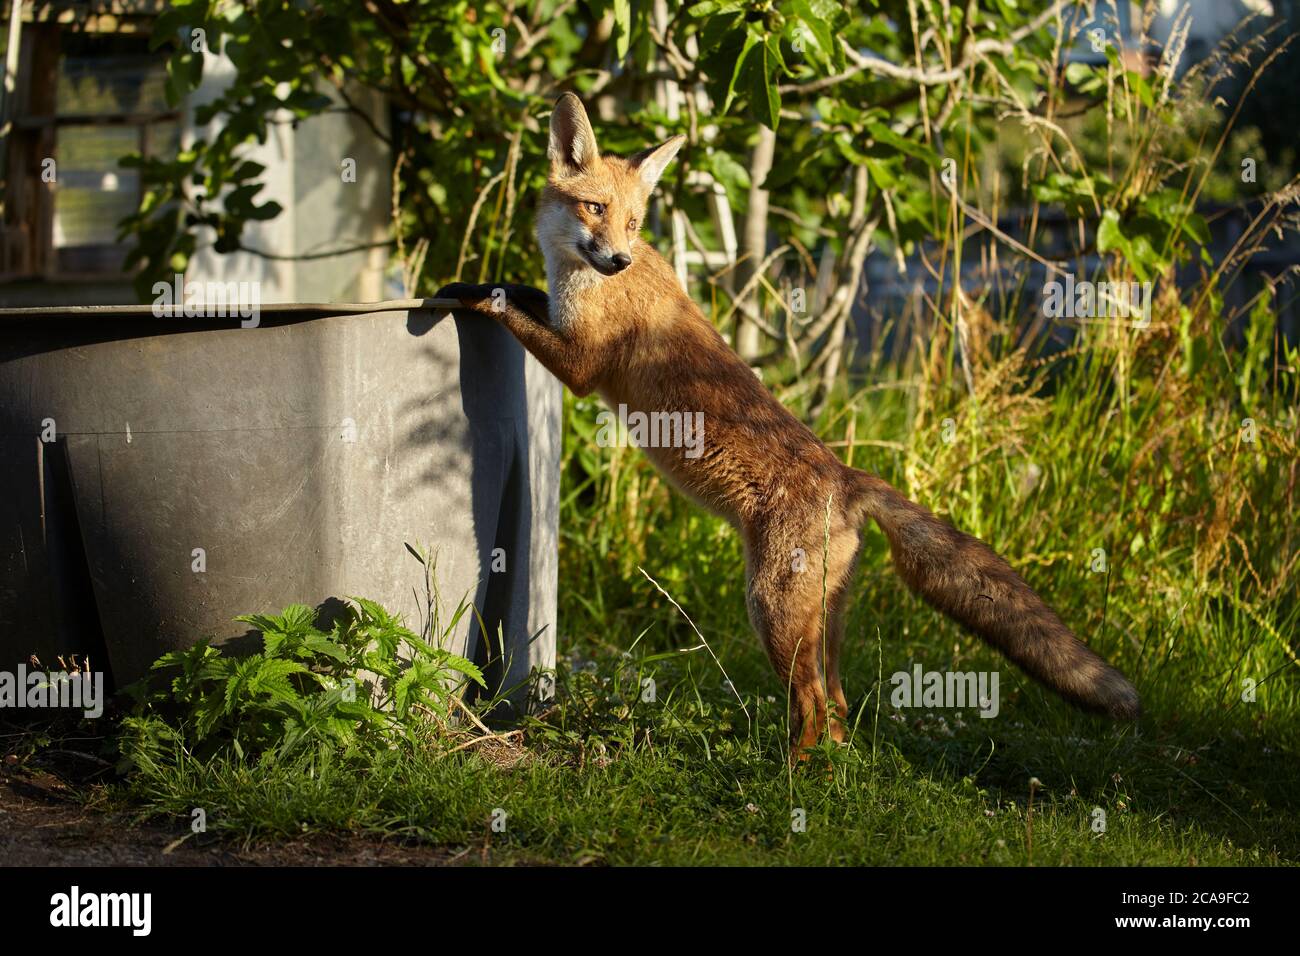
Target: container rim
<point x="271" y="308"/>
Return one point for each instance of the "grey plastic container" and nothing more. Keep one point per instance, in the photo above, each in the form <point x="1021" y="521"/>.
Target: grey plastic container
<point x="160" y="475"/>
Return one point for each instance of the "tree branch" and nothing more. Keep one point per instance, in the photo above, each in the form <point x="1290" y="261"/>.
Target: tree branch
<point x="307" y="256"/>
<point x="878" y="66"/>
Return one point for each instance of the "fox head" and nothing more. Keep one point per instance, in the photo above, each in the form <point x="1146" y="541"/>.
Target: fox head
<point x="591" y="209"/>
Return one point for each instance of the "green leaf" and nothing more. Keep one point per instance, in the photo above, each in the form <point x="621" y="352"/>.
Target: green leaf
<point x="710" y="7"/>
<point x="761" y="67"/>
<point x="819" y="29"/>
<point x="464" y="666"/>
<point x="744" y="45"/>
<point x="623" y="27"/>
<point x="845" y="145"/>
<point x="174" y="18"/>
<point x="880" y="174"/>
<point x="733" y="176"/>
<point x="271" y="679"/>
<point x="1077" y="73"/>
<point x="1196" y="227"/>
<point x="324" y="646"/>
<point x="1110" y="237"/>
<point x="402" y="691"/>
<point x="1136" y="248"/>
<point x="883" y="134"/>
<point x="1138" y="83"/>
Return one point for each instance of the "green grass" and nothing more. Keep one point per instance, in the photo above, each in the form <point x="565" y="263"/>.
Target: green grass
<point x="610" y="779"/>
<point x="1198" y="596"/>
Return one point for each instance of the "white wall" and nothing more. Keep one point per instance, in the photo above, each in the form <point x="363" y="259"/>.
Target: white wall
<point x="321" y="212"/>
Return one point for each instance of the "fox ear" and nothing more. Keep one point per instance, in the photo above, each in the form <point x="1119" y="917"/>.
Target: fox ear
<point x="652" y="162"/>
<point x="573" y="144"/>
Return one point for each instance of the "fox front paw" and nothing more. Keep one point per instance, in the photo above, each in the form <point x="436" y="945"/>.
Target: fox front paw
<point x="477" y="298"/>
<point x="494" y="299"/>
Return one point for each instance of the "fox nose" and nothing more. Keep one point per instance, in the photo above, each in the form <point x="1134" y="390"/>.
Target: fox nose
<point x="620" y="260"/>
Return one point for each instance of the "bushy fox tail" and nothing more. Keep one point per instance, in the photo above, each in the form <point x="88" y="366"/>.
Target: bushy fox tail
<point x="966" y="580"/>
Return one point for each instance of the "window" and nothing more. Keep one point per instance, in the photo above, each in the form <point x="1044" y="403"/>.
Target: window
<point x="82" y="101"/>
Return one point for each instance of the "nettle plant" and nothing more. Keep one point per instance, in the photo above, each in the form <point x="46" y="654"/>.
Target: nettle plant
<point x="368" y="681"/>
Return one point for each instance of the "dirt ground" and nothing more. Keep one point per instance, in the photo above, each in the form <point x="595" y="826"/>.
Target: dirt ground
<point x="41" y="825"/>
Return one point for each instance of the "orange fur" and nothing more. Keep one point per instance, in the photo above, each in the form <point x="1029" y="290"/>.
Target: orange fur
<point x="636" y="338"/>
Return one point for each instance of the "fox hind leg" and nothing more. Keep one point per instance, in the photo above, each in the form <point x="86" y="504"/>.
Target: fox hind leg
<point x="792" y="608"/>
<point x="795" y="653"/>
<point x="835" y="690"/>
<point x="838" y="600"/>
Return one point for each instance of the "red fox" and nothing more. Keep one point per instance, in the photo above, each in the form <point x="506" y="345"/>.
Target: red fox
<point x="617" y="322"/>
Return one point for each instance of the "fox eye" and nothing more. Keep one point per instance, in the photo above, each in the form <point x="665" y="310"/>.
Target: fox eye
<point x="595" y="208"/>
<point x="631" y="223"/>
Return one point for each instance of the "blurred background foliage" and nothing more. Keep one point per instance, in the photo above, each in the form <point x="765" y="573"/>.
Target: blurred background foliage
<point x="832" y="130"/>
